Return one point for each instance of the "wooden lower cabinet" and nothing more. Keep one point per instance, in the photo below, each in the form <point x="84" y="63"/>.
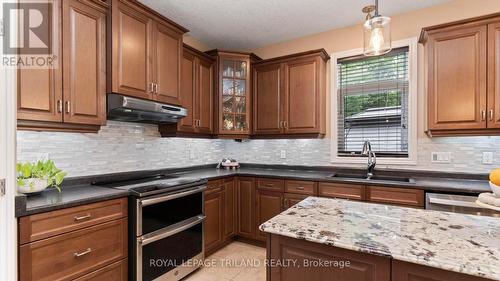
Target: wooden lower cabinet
<point x="362" y="267"/>
<point x="342" y="190"/>
<point x="397" y="196"/>
<point x="214" y="219"/>
<point x="117" y="271"/>
<point x="230" y="205"/>
<point x="291" y="199"/>
<point x="269" y="204"/>
<point x="246" y="207"/>
<point x="404" y="271"/>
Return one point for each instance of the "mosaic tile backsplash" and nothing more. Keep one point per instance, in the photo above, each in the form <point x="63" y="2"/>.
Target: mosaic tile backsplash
<point x="121" y="147"/>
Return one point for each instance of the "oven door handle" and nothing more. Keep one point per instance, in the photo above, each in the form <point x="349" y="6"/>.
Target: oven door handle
<point x="171" y="230"/>
<point x="156" y="200"/>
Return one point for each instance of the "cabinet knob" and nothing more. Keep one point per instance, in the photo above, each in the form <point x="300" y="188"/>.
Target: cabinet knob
<point x="68" y="107"/>
<point x="492" y="114"/>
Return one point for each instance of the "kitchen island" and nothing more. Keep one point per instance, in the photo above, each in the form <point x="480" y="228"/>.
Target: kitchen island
<point x="320" y="238"/>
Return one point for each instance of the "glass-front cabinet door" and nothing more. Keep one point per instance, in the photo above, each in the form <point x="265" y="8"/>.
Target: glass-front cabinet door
<point x="234" y="111"/>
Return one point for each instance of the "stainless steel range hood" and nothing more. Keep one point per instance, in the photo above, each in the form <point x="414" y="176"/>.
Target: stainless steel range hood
<point x="123" y="108"/>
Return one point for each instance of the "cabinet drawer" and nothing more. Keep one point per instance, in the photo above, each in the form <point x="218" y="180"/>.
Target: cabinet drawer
<point x="271" y="184"/>
<point x="74" y="254"/>
<point x="292" y="199"/>
<point x="342" y="190"/>
<point x="40" y="226"/>
<point x="214" y="186"/>
<point x="113" y="272"/>
<point x="301" y="187"/>
<point x="392" y="195"/>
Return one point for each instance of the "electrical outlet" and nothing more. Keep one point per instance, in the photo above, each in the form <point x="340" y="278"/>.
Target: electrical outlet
<point x="441" y="157"/>
<point x="487" y="158"/>
<point x="283" y="154"/>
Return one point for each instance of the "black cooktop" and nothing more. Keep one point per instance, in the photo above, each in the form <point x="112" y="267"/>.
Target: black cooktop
<point x="143" y="186"/>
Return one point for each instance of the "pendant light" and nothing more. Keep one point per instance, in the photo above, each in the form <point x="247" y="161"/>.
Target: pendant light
<point x="377" y="32"/>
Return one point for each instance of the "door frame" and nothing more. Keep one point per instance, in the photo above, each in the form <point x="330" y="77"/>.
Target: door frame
<point x="8" y="221"/>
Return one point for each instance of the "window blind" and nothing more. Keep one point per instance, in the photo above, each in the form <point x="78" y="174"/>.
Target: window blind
<point x="373" y="104"/>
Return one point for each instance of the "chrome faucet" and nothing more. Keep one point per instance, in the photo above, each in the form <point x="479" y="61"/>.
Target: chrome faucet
<point x="372" y="158"/>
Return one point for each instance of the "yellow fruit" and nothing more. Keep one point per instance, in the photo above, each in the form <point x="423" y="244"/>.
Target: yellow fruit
<point x="495" y="177"/>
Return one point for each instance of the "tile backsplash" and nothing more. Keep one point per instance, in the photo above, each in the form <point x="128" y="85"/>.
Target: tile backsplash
<point x="121" y="147"/>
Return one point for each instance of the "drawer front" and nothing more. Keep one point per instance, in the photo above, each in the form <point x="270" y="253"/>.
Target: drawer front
<point x="271" y="184"/>
<point x="214" y="186"/>
<point x="292" y="199"/>
<point x="301" y="187"/>
<point x="341" y="190"/>
<point x="398" y="196"/>
<point x="117" y="271"/>
<point x="74" y="254"/>
<point x="41" y="226"/>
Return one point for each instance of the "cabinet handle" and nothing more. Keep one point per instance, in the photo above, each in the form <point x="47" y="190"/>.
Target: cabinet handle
<point x="152" y="88"/>
<point x="300" y="187"/>
<point x="483" y="115"/>
<point x="59" y="106"/>
<point x="68" y="107"/>
<point x="492" y="114"/>
<point x="87" y="216"/>
<point x="285" y="124"/>
<point x="281" y="125"/>
<point x="77" y="255"/>
<point x="156" y="88"/>
<point x="269" y="185"/>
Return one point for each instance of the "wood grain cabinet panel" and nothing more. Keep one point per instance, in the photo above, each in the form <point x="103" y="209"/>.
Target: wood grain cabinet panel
<point x="71" y="255"/>
<point x="114" y="272"/>
<point x="167" y="63"/>
<point x="188" y="92"/>
<point x="457" y="78"/>
<point x="84" y="41"/>
<point x="301" y="187"/>
<point x="44" y="225"/>
<point x="404" y="271"/>
<point x="342" y="190"/>
<point x="205" y="96"/>
<point x="271" y="184"/>
<point x="363" y="267"/>
<point x="494" y="75"/>
<point x="230" y="208"/>
<point x="214" y="219"/>
<point x="246" y="207"/>
<point x="393" y="195"/>
<point x="269" y="204"/>
<point x="132" y="39"/>
<point x="291" y="199"/>
<point x="268" y="99"/>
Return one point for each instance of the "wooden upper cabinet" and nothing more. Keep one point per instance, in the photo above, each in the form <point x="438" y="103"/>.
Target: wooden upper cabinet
<point x="290" y="95"/>
<point x="131" y="66"/>
<point x="147" y="53"/>
<point x="188" y="91"/>
<point x="457" y="78"/>
<point x="39" y="91"/>
<point x="462" y="61"/>
<point x="205" y="96"/>
<point x="494" y="75"/>
<point x="167" y="63"/>
<point x="84" y="70"/>
<point x="268" y="99"/>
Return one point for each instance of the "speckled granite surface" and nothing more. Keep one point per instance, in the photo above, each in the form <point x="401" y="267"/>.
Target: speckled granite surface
<point x="455" y="242"/>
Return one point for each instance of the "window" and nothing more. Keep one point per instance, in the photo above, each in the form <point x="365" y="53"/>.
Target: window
<point x="373" y="103"/>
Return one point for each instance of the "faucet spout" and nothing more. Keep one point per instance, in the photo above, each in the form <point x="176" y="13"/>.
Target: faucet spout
<point x="372" y="158"/>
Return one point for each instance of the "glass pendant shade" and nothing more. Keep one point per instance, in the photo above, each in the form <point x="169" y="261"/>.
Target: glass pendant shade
<point x="377" y="36"/>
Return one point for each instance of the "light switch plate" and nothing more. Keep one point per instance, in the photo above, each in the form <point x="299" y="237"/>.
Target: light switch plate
<point x="487" y="158"/>
<point x="441" y="157"/>
<point x="283" y="154"/>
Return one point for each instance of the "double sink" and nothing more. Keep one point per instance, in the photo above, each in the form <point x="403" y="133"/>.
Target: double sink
<point x="375" y="178"/>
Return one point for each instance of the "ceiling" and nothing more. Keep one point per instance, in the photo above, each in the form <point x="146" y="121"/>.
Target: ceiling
<point x="249" y="24"/>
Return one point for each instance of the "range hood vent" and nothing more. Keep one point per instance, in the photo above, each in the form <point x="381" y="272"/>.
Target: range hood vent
<point x="127" y="109"/>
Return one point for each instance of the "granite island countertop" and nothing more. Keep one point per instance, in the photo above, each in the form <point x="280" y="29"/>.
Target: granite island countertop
<point x="79" y="190"/>
<point x="462" y="243"/>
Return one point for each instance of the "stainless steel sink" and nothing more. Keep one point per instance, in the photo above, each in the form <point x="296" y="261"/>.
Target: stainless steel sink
<point x="373" y="178"/>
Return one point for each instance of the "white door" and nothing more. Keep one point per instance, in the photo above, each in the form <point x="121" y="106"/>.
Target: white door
<point x="8" y="225"/>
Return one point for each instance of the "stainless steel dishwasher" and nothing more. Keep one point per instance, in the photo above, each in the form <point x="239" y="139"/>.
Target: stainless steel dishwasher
<point x="457" y="204"/>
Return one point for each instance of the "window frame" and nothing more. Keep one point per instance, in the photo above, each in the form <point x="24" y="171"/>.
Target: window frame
<point x="412" y="44"/>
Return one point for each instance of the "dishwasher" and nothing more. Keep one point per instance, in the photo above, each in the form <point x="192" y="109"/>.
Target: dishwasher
<point x="464" y="204"/>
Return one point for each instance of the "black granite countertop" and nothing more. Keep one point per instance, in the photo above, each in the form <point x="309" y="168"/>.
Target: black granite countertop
<point x="79" y="191"/>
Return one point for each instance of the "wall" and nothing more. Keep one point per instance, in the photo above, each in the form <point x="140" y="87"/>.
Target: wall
<point x="195" y="43"/>
<point x="118" y="147"/>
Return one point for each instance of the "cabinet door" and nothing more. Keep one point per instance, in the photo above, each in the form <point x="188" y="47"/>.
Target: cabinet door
<point x="229" y="208"/>
<point x="188" y="90"/>
<point x="494" y="75"/>
<point x="213" y="221"/>
<point x="246" y="207"/>
<point x="362" y="266"/>
<point x="205" y="97"/>
<point x="292" y="199"/>
<point x="268" y="99"/>
<point x="457" y="79"/>
<point x="39" y="91"/>
<point x="269" y="204"/>
<point x="302" y="98"/>
<point x="131" y="31"/>
<point x="404" y="271"/>
<point x="84" y="68"/>
<point x="167" y="63"/>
